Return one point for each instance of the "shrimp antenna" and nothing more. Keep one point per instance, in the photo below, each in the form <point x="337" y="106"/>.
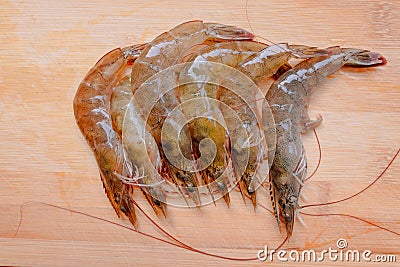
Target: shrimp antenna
<point x="352" y="217"/>
<point x="252" y="30"/>
<point x="247" y="17"/>
<point x="319" y="157"/>
<point x="359" y="192"/>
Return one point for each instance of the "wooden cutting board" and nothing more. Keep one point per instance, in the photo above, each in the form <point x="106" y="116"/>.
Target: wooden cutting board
<point x="47" y="47"/>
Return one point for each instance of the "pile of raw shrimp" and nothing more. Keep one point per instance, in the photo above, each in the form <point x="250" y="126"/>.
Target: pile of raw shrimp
<point x="201" y="109"/>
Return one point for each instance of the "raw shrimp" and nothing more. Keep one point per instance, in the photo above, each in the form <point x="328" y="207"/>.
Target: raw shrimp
<point x="163" y="52"/>
<point x="143" y="158"/>
<point x="143" y="152"/>
<point x="92" y="113"/>
<point x="288" y="98"/>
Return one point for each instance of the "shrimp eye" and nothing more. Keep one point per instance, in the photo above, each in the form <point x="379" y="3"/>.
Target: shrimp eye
<point x="288" y="217"/>
<point x="122" y="208"/>
<point x="190" y="188"/>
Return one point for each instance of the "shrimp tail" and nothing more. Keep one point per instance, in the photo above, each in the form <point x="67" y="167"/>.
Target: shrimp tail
<point x="363" y="58"/>
<point x="114" y="199"/>
<point x="120" y="196"/>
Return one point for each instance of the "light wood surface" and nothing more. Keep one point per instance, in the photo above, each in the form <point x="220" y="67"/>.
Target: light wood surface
<point x="47" y="47"/>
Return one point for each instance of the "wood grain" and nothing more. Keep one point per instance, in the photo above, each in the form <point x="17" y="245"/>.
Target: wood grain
<point x="46" y="48"/>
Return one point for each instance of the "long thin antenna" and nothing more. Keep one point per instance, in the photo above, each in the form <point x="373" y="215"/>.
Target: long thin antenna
<point x="252" y="30"/>
<point x="359" y="192"/>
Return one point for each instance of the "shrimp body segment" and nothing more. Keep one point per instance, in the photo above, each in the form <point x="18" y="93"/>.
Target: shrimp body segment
<point x="145" y="159"/>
